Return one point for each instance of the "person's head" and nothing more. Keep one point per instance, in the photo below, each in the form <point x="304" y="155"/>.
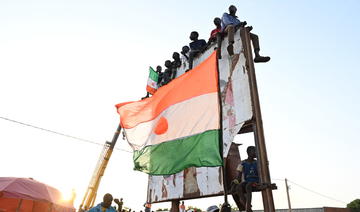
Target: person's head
<point x="185" y="49"/>
<point x="194" y="35"/>
<point x="167" y="64"/>
<point x="107" y="200"/>
<point x="217" y="21"/>
<point x="176" y="56"/>
<point x="182" y="202"/>
<point x="251" y="151"/>
<point x="213" y="208"/>
<point x="232" y="10"/>
<point x="158" y="69"/>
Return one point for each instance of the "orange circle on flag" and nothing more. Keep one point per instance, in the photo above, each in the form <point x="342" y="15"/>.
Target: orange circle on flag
<point x="161" y="126"/>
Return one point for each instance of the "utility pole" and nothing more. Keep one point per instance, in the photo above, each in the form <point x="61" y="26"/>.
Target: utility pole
<point x="287" y="193"/>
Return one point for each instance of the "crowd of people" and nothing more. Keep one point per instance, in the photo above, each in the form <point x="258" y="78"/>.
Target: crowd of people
<point x="228" y="24"/>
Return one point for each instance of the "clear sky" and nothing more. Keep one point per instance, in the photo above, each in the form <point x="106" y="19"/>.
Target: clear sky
<point x="65" y="64"/>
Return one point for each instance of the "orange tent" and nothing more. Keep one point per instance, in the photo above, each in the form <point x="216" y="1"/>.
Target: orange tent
<point x="28" y="195"/>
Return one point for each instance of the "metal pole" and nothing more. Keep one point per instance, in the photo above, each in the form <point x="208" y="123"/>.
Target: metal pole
<point x="268" y="200"/>
<point x="287" y="193"/>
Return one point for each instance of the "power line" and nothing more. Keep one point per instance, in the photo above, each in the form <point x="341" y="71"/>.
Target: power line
<point x="277" y="179"/>
<point x="58" y="133"/>
<point x="315" y="192"/>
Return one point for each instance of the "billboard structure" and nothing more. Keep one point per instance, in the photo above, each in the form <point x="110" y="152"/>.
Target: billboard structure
<point x="236" y="110"/>
<point x="240" y="114"/>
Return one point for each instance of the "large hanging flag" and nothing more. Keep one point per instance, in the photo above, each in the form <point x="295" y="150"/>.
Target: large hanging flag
<point x="152" y="84"/>
<point x="179" y="126"/>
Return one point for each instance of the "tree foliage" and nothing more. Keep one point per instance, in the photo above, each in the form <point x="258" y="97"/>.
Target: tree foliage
<point x="196" y="209"/>
<point x="355" y="204"/>
<point x="162" y="209"/>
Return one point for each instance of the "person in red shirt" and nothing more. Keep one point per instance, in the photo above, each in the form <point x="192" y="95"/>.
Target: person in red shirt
<point x="216" y="35"/>
<point x="214" y="32"/>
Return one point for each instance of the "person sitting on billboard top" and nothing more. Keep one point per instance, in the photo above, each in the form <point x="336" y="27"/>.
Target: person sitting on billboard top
<point x="196" y="46"/>
<point x="229" y="24"/>
<point x="216" y="35"/>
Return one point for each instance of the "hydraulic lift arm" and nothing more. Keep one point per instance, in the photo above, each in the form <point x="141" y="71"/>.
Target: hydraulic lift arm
<point x="91" y="192"/>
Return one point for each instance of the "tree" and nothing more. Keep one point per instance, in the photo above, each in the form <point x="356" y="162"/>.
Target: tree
<point x="355" y="204"/>
<point x="195" y="209"/>
<point x="162" y="209"/>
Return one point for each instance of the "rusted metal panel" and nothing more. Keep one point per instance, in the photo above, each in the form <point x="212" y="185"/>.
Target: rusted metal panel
<point x="237" y="109"/>
<point x="193" y="182"/>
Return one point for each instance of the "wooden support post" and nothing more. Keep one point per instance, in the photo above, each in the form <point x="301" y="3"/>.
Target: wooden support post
<point x="175" y="204"/>
<point x="263" y="163"/>
<point x="287" y="193"/>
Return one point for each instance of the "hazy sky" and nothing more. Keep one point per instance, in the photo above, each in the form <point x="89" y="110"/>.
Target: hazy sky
<point x="65" y="64"/>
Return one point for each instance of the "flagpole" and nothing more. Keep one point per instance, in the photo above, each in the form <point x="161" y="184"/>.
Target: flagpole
<point x="223" y="167"/>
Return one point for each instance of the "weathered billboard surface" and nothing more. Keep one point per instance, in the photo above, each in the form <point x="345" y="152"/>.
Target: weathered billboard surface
<point x="236" y="109"/>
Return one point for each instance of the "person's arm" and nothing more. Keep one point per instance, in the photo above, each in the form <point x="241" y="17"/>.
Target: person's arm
<point x="239" y="170"/>
<point x="244" y="23"/>
<point x="225" y="20"/>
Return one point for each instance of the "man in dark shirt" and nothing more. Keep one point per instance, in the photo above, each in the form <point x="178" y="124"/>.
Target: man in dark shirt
<point x="161" y="74"/>
<point x="229" y="24"/>
<point x="216" y="35"/>
<point x="196" y="46"/>
<point x="167" y="73"/>
<point x="185" y="52"/>
<point x="175" y="64"/>
<point x="247" y="179"/>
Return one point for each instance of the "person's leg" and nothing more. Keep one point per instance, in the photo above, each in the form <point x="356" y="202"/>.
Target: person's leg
<point x="147" y="95"/>
<point x="240" y="192"/>
<point x="248" y="189"/>
<point x="191" y="59"/>
<point x="255" y="41"/>
<point x="230" y="30"/>
<point x="192" y="55"/>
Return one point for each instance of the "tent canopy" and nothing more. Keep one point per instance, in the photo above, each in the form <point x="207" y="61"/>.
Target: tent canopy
<point x="29" y="189"/>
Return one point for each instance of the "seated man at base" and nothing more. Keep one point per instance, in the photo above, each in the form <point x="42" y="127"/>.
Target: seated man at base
<point x="105" y="206"/>
<point x="229" y="24"/>
<point x="247" y="179"/>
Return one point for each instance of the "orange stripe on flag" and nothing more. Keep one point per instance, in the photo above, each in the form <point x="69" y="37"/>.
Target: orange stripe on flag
<point x="201" y="80"/>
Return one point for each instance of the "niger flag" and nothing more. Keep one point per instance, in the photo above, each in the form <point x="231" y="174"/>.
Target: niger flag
<point x="178" y="127"/>
<point x="151" y="86"/>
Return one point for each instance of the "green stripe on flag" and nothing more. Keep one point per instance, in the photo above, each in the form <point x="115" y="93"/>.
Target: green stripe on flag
<point x="201" y="150"/>
<point x="153" y="75"/>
